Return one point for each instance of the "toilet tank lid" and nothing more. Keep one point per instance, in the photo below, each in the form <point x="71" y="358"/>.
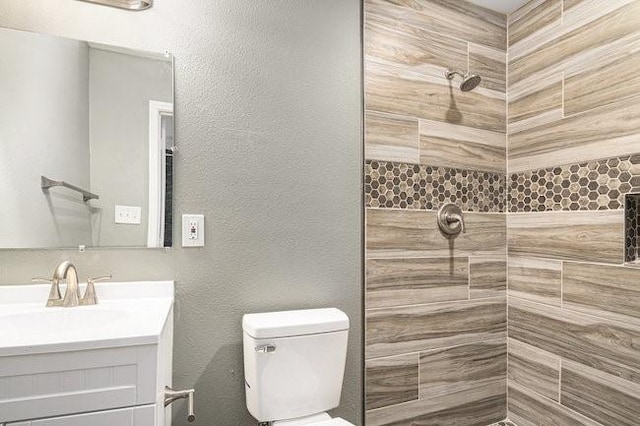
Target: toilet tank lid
<point x="294" y="323"/>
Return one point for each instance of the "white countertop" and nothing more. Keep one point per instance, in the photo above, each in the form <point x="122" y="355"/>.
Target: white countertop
<point x="127" y="314"/>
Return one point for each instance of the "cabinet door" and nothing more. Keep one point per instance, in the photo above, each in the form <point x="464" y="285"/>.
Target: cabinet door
<point x="133" y="416"/>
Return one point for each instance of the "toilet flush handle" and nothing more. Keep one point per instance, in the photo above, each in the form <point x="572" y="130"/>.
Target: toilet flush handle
<point x="265" y="349"/>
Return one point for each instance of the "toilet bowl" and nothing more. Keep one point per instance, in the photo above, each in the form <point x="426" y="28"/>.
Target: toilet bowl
<point x="322" y="419"/>
<point x="294" y="365"/>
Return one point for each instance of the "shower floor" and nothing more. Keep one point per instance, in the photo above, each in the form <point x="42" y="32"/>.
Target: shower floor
<point x="504" y="423"/>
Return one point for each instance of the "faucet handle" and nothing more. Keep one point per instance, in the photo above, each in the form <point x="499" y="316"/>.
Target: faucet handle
<point x="41" y="280"/>
<point x="90" y="297"/>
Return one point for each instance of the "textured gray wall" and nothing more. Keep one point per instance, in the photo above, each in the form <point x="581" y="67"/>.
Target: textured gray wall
<point x="268" y="124"/>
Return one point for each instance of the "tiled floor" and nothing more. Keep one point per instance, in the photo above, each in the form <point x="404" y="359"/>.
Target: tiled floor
<point x="504" y="423"/>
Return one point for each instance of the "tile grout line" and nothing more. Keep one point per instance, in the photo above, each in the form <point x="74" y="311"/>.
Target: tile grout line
<point x="562" y="284"/>
<point x="562" y="93"/>
<point x="468" y="277"/>
<point x="507" y="204"/>
<point x="560" y="381"/>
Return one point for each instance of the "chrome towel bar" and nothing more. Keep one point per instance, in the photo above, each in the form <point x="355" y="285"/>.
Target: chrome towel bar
<point x="47" y="183"/>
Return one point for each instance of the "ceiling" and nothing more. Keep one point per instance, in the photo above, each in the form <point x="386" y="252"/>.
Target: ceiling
<point x="503" y="6"/>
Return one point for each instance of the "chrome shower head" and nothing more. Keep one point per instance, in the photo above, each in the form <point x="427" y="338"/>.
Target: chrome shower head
<point x="469" y="81"/>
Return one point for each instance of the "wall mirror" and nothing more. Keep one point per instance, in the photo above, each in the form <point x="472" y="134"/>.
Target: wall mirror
<point x="86" y="144"/>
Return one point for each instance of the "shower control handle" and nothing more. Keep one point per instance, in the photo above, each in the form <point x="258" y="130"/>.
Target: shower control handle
<point x="450" y="220"/>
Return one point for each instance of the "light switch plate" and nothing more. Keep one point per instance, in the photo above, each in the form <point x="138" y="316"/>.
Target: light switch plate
<point x="192" y="230"/>
<point x="128" y="214"/>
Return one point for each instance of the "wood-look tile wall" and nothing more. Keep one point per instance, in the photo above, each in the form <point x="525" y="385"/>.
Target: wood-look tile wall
<point x="574" y="308"/>
<point x="436" y="348"/>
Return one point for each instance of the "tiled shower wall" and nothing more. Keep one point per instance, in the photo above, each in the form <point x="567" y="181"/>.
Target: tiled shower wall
<point x="574" y="139"/>
<point x="435" y="310"/>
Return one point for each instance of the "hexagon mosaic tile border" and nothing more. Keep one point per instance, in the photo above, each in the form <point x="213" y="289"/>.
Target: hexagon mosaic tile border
<point x="418" y="186"/>
<point x="592" y="185"/>
<point x="632" y="201"/>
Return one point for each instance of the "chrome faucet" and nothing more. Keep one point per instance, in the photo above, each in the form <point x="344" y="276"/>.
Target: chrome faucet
<point x="67" y="272"/>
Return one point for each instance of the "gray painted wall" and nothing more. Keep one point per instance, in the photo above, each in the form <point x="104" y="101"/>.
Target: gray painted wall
<point x="268" y="124"/>
<point x="121" y="87"/>
<point x="45" y="79"/>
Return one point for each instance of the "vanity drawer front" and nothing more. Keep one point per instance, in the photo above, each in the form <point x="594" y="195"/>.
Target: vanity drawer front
<point x="56" y="384"/>
<point x="132" y="416"/>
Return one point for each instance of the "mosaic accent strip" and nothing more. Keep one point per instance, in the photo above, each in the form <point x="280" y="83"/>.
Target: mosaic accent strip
<point x="592" y="185"/>
<point x="631" y="227"/>
<point x="418" y="186"/>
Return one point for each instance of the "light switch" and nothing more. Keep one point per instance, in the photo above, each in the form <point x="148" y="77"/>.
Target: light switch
<point x="192" y="230"/>
<point x="128" y="214"/>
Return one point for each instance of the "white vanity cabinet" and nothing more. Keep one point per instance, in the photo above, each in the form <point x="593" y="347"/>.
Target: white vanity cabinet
<point x="115" y="376"/>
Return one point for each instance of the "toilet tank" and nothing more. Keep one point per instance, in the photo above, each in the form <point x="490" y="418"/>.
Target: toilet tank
<point x="294" y="362"/>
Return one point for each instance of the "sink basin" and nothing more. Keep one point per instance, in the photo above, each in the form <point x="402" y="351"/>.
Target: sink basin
<point x="126" y="314"/>
<point x="69" y="322"/>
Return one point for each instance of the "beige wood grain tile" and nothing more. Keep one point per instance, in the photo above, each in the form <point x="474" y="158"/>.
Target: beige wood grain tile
<point x="541" y="119"/>
<point x="598" y="87"/>
<point x="529" y="105"/>
<point x="600" y="396"/>
<point x="391" y="380"/>
<point x="397" y="282"/>
<point x="603" y="55"/>
<point x="478" y="406"/>
<point x="394" y="331"/>
<point x="460" y="368"/>
<point x="444" y="144"/>
<point x="568" y="4"/>
<point x="595" y="236"/>
<point x="404" y="233"/>
<point x="537" y="280"/>
<point x="431" y="96"/>
<point x="617" y="24"/>
<point x="534" y="369"/>
<point x="391" y="138"/>
<point x="529" y="409"/>
<point x="391" y="41"/>
<point x="487" y="276"/>
<point x="586" y="12"/>
<point x="602" y="289"/>
<point x="608" y="131"/>
<point x="523" y="11"/>
<point x="604" y="344"/>
<point x="542" y="14"/>
<point x="490" y="63"/>
<point x="462" y="20"/>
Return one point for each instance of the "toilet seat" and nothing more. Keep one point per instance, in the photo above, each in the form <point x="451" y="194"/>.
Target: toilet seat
<point x="321" y="419"/>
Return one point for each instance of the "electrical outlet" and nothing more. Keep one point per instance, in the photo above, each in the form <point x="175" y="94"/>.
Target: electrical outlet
<point x="192" y="230"/>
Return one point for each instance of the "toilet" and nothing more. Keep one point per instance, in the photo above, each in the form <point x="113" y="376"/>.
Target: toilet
<point x="294" y="365"/>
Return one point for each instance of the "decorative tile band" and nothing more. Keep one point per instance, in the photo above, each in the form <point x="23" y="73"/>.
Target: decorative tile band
<point x="418" y="186"/>
<point x="592" y="185"/>
<point x="631" y="227"/>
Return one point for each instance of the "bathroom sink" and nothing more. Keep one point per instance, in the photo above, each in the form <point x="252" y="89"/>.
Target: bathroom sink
<point x="126" y="314"/>
<point x="110" y="361"/>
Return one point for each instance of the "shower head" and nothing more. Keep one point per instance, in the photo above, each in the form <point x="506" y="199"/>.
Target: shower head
<point x="469" y="81"/>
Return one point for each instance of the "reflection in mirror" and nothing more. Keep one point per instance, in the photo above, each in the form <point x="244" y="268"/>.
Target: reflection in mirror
<point x="95" y="119"/>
